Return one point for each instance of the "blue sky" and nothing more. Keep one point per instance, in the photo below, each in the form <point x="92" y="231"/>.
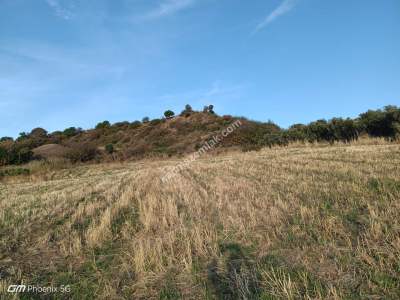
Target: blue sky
<point x="77" y="62"/>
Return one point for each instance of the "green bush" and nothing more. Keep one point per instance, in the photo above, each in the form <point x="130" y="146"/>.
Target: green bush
<point x="155" y="122"/>
<point x="71" y="131"/>
<point x="22" y="136"/>
<point x="169" y="114"/>
<point x="382" y="123"/>
<point x="109" y="148"/>
<point x="6" y="138"/>
<point x="103" y="125"/>
<point x="344" y="130"/>
<point x="279" y="139"/>
<point x="38" y="133"/>
<point x="14" y="172"/>
<point x="3" y="156"/>
<point x="17" y="156"/>
<point x="121" y="124"/>
<point x="135" y="124"/>
<point x="297" y="132"/>
<point x="209" y="109"/>
<point x="187" y="111"/>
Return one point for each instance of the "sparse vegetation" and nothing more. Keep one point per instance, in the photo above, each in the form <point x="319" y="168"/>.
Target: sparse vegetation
<point x="82" y="152"/>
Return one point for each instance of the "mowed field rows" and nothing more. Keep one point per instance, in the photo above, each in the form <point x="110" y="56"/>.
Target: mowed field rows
<point x="299" y="222"/>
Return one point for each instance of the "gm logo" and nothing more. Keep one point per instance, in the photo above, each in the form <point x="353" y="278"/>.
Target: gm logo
<point x="16" y="288"/>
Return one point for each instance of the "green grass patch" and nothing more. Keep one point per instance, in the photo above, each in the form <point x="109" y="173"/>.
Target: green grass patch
<point x="14" y="172"/>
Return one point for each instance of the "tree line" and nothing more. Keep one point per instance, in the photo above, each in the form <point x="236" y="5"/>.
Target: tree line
<point x="384" y="123"/>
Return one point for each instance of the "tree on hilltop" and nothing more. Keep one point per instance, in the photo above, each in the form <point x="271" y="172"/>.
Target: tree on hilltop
<point x="169" y="114"/>
<point x="187" y="111"/>
<point x="102" y="125"/>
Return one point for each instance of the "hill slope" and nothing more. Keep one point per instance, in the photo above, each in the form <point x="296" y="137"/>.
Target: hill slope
<point x="188" y="132"/>
<point x="160" y="137"/>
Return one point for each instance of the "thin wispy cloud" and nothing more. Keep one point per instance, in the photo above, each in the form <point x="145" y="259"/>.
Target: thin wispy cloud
<point x="168" y="7"/>
<point x="62" y="11"/>
<point x="285" y="7"/>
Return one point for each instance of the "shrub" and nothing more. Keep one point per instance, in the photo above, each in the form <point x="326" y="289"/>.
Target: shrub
<point x="109" y="148"/>
<point x="3" y="156"/>
<point x="135" y="124"/>
<point x="38" y="133"/>
<point x="121" y="124"/>
<point x="82" y="152"/>
<point x="187" y="111"/>
<point x="102" y="125"/>
<point x="209" y="109"/>
<point x="145" y="120"/>
<point x="17" y="156"/>
<point x="320" y="131"/>
<point x="6" y="139"/>
<point x="55" y="137"/>
<point x="71" y="131"/>
<point x="22" y="136"/>
<point x="382" y="123"/>
<point x="297" y="132"/>
<point x="343" y="130"/>
<point x="278" y="139"/>
<point x="36" y="138"/>
<point x="137" y="151"/>
<point x="14" y="172"/>
<point x="155" y="122"/>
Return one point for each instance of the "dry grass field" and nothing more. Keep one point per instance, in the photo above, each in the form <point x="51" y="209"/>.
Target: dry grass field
<point x="293" y="223"/>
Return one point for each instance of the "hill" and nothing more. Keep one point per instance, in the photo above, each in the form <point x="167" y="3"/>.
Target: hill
<point x="187" y="133"/>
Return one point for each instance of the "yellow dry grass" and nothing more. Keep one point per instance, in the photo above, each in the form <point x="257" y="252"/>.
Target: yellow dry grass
<point x="299" y="222"/>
